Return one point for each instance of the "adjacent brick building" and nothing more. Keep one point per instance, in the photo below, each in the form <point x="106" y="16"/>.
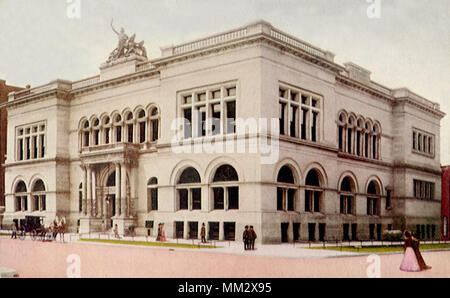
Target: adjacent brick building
<point x="4" y="90"/>
<point x="445" y="202"/>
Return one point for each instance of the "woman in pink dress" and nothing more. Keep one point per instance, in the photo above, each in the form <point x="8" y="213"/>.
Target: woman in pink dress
<point x="163" y="236"/>
<point x="409" y="262"/>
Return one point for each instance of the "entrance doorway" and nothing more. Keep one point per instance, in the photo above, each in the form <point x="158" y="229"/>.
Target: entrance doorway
<point x="284" y="231"/>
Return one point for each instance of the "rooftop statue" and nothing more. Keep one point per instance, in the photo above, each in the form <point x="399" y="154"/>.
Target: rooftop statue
<point x="126" y="46"/>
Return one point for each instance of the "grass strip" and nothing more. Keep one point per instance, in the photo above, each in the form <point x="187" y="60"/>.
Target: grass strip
<point x="381" y="249"/>
<point x="144" y="243"/>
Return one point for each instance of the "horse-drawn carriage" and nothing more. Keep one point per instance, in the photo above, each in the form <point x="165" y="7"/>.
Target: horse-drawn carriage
<point x="33" y="225"/>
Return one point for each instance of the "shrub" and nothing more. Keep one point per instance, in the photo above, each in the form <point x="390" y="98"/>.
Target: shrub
<point x="392" y="235"/>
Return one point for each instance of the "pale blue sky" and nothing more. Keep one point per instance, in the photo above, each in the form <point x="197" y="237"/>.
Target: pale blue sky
<point x="408" y="46"/>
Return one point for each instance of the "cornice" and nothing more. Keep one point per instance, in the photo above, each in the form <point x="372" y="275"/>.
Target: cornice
<point x="114" y="82"/>
<point x="244" y="41"/>
<point x="408" y="166"/>
<point x="57" y="93"/>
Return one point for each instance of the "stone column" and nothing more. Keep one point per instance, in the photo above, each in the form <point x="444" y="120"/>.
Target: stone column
<point x="94" y="194"/>
<point x="84" y="198"/>
<point x="30" y="202"/>
<point x="117" y="189"/>
<point x="89" y="191"/>
<point x="123" y="190"/>
<point x="221" y="231"/>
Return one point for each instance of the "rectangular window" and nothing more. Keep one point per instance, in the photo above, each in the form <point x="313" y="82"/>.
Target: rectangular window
<point x="193" y="230"/>
<point x="215" y="107"/>
<point x="218" y="198"/>
<point x="118" y="134"/>
<point x="231" y="117"/>
<point x="130" y="133"/>
<point x="291" y="199"/>
<point x="187" y="123"/>
<point x="423" y="190"/>
<point x="196" y="198"/>
<point x="308" y="200"/>
<point x="293" y="122"/>
<point x="154" y="198"/>
<point x="183" y="197"/>
<point x="423" y="142"/>
<point x="233" y="197"/>
<point x="30" y="142"/>
<point x="229" y="230"/>
<point x="179" y="229"/>
<point x="279" y="198"/>
<point x="141" y="132"/>
<point x="317" y="196"/>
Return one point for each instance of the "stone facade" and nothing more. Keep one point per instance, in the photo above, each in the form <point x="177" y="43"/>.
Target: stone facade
<point x="4" y="90"/>
<point x="353" y="158"/>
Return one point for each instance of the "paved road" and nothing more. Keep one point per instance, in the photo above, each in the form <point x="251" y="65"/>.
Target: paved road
<point x="44" y="259"/>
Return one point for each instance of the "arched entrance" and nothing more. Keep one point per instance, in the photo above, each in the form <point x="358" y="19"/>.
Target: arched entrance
<point x="109" y="194"/>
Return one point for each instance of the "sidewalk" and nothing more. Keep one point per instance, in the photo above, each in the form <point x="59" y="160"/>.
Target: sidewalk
<point x="284" y="250"/>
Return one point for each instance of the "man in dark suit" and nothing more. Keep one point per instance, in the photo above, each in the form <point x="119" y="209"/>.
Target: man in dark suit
<point x="245" y="238"/>
<point x="251" y="238"/>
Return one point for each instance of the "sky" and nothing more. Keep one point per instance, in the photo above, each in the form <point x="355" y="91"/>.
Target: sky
<point x="403" y="43"/>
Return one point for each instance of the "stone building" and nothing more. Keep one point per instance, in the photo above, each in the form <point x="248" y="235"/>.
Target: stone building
<point x="445" y="202"/>
<point x="251" y="126"/>
<point x="4" y="90"/>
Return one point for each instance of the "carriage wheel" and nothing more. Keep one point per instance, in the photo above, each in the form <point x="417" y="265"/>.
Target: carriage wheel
<point x="22" y="235"/>
<point x="33" y="235"/>
<point x="49" y="236"/>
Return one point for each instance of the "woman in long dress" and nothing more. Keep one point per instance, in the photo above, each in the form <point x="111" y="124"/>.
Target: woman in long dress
<point x="409" y="262"/>
<point x="420" y="260"/>
<point x="163" y="233"/>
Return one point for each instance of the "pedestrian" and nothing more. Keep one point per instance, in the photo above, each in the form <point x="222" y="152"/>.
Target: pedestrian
<point x="409" y="261"/>
<point x="203" y="233"/>
<point x="245" y="238"/>
<point x="420" y="260"/>
<point x="14" y="231"/>
<point x="158" y="236"/>
<point x="251" y="238"/>
<point x="163" y="233"/>
<point x="116" y="231"/>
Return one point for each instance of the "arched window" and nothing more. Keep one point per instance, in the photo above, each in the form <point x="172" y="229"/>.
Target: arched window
<point x="85" y="132"/>
<point x="225" y="189"/>
<point x="376" y="139"/>
<point x="152" y="194"/>
<point x="154" y="124"/>
<point x="313" y="192"/>
<point x="95" y="132"/>
<point x="142" y="124"/>
<point x="21" y="197"/>
<point x="106" y="130"/>
<point x="189" y="190"/>
<point x="373" y="198"/>
<point x="347" y="196"/>
<point x="129" y="125"/>
<point x="367" y="137"/>
<point x="117" y="127"/>
<point x="38" y="195"/>
<point x="350" y="134"/>
<point x="359" y="134"/>
<point x="286" y="190"/>
<point x="342" y="120"/>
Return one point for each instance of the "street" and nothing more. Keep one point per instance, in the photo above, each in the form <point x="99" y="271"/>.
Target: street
<point x="54" y="259"/>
